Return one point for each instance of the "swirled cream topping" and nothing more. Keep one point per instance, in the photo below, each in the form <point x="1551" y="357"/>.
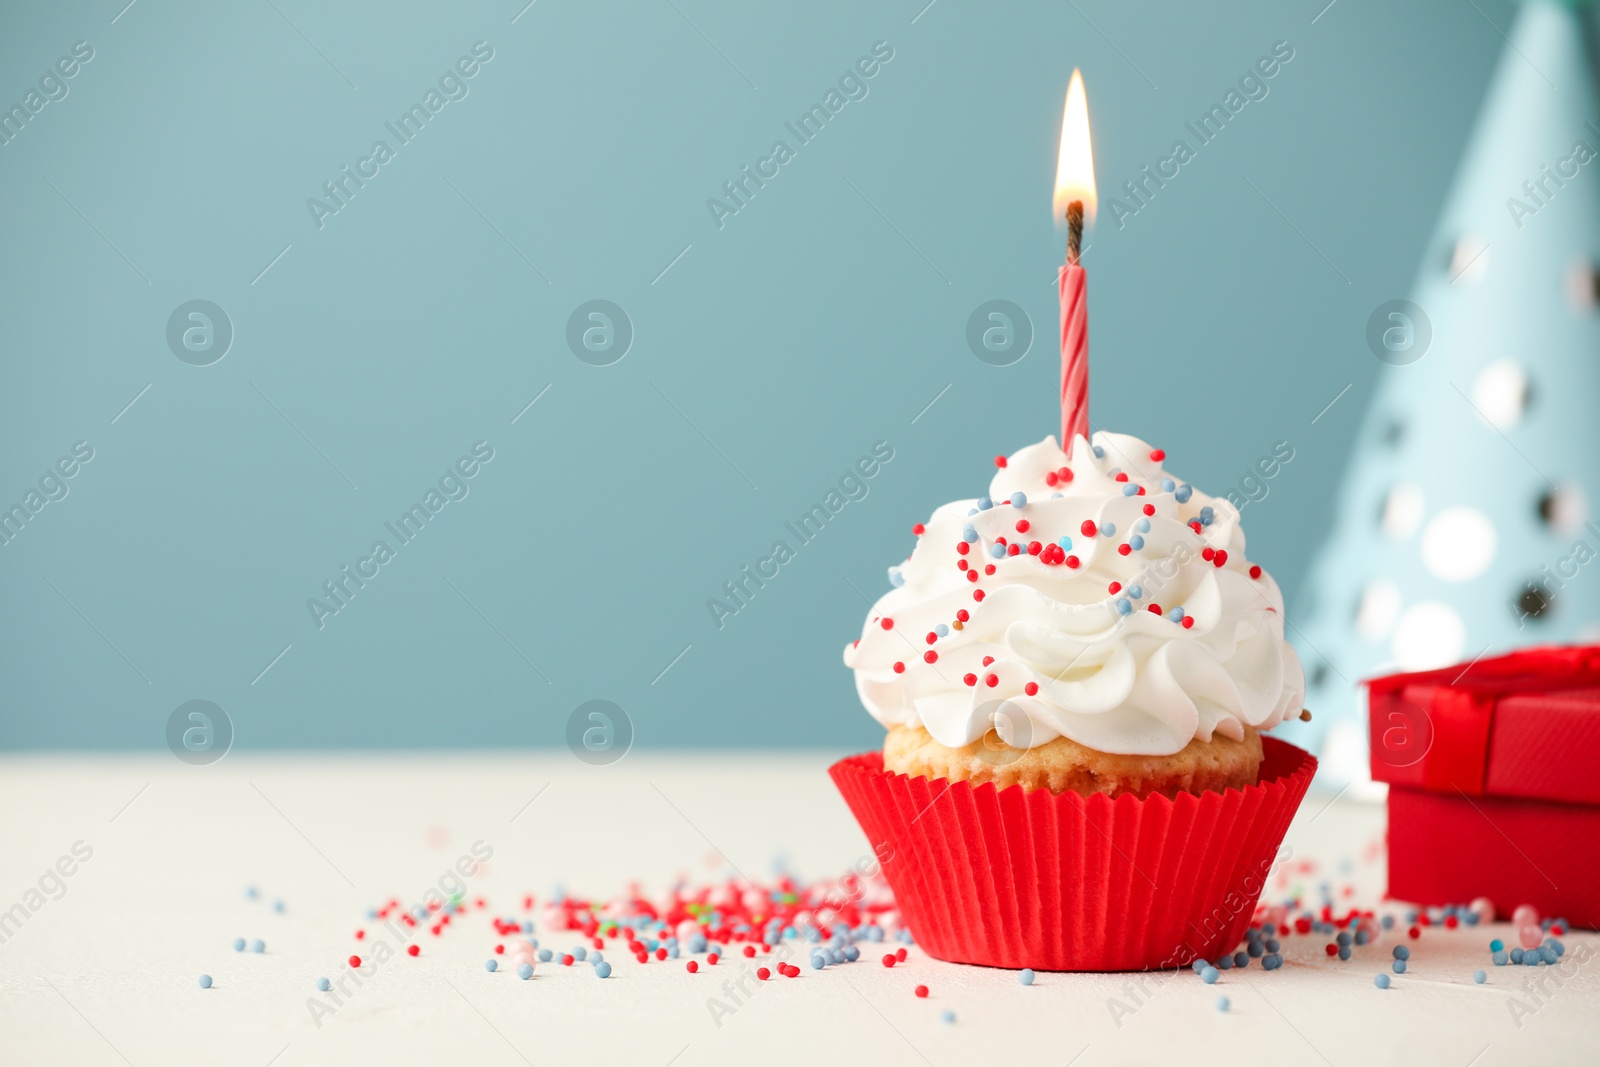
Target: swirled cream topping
<point x="1094" y="597"/>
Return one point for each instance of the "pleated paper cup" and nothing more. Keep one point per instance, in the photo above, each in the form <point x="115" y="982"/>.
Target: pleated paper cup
<point x="1013" y="878"/>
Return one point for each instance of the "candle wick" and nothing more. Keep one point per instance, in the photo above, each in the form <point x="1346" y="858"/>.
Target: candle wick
<point x="1074" y="231"/>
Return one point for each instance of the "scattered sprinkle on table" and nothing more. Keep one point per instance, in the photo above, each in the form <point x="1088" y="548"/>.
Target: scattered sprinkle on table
<point x="205" y="981"/>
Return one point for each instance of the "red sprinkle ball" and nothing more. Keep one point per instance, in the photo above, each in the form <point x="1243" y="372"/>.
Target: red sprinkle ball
<point x="921" y="991"/>
<point x="1000" y="461"/>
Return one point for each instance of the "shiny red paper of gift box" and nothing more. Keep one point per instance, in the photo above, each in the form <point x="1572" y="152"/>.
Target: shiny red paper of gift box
<point x="1494" y="781"/>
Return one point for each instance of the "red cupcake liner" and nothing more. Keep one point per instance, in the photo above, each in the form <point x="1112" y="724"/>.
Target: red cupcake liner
<point x="1013" y="878"/>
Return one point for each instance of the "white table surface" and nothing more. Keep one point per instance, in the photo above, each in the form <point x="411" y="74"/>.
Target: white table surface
<point x="107" y="973"/>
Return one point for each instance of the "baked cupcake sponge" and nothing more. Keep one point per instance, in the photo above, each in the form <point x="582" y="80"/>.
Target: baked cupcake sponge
<point x="1065" y="766"/>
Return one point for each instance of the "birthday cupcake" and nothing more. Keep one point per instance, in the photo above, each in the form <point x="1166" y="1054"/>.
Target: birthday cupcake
<point x="1075" y="671"/>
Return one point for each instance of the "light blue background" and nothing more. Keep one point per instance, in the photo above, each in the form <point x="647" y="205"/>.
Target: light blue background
<point x="822" y="318"/>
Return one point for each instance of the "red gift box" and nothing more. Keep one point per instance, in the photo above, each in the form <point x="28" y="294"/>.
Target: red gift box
<point x="1494" y="781"/>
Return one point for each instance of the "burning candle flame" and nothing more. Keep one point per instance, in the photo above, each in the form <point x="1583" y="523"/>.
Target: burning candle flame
<point x="1075" y="164"/>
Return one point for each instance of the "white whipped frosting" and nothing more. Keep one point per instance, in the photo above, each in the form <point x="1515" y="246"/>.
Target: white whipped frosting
<point x="1051" y="650"/>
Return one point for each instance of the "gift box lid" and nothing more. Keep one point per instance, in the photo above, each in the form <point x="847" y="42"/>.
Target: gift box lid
<point x="1525" y="724"/>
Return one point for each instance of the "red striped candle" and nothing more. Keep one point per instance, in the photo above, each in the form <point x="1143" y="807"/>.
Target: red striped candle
<point x="1074" y="197"/>
<point x="1074" y="354"/>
